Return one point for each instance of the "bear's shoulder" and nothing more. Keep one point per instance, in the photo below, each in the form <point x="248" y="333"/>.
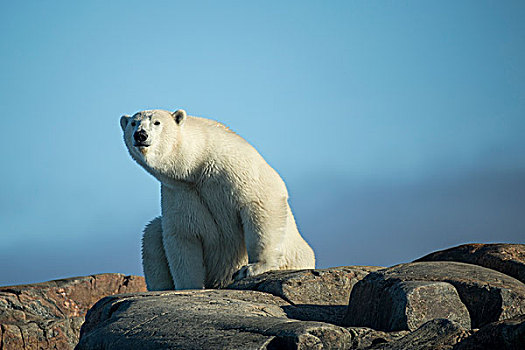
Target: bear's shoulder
<point x="216" y="132"/>
<point x="210" y="124"/>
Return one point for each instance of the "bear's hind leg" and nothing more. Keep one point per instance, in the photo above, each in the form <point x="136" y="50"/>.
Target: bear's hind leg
<point x="154" y="262"/>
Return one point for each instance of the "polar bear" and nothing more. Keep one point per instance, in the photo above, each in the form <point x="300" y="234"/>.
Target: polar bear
<point x="225" y="212"/>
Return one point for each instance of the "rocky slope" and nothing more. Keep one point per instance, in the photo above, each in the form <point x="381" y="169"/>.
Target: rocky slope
<point x="467" y="297"/>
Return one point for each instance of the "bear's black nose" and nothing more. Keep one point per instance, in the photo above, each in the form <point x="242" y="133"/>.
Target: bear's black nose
<point x="140" y="136"/>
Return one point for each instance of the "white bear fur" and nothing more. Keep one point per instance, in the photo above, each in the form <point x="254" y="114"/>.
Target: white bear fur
<point x="225" y="211"/>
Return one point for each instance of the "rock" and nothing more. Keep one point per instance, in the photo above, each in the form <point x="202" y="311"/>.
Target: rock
<point x="507" y="334"/>
<point x="406" y="305"/>
<point x="383" y="300"/>
<point x="505" y="258"/>
<point x="421" y="302"/>
<point x="365" y="338"/>
<point x="434" y="302"/>
<point x="420" y="305"/>
<point x="203" y="319"/>
<point x="49" y="314"/>
<point x="315" y="295"/>
<point x="438" y="334"/>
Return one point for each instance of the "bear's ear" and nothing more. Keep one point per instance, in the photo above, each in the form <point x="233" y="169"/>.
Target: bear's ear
<point x="124" y="122"/>
<point x="179" y="115"/>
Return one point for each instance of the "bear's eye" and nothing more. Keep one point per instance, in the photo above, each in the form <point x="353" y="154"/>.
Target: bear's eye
<point x="157" y="122"/>
<point x="133" y="123"/>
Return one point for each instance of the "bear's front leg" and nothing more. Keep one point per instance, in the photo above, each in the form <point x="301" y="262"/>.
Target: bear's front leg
<point x="264" y="224"/>
<point x="185" y="260"/>
<point x="182" y="235"/>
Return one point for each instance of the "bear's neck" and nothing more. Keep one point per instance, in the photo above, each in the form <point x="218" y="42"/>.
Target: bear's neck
<point x="184" y="161"/>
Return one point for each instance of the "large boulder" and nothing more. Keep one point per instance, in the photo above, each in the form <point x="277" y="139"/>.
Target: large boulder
<point x="49" y="314"/>
<point x="203" y="319"/>
<point x="407" y="295"/>
<point x="506" y="258"/>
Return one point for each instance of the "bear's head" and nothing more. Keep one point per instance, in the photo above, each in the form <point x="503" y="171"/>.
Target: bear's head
<point x="152" y="135"/>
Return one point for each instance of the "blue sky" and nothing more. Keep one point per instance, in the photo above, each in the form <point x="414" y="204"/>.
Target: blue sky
<point x="397" y="126"/>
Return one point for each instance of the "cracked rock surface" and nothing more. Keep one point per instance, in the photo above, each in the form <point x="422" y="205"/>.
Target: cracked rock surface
<point x="49" y="315"/>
